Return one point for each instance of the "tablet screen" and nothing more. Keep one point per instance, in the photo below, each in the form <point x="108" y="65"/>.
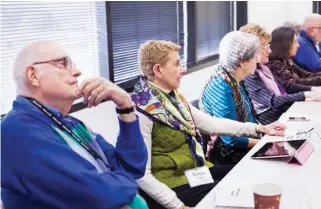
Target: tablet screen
<point x="279" y="149"/>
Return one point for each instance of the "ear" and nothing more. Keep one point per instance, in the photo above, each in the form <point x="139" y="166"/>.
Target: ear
<point x="157" y="71"/>
<point x="242" y="65"/>
<point x="32" y="77"/>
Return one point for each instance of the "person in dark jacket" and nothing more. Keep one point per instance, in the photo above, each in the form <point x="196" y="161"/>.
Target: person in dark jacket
<point x="51" y="160"/>
<point x="284" y="46"/>
<point x="308" y="56"/>
<point x="271" y="96"/>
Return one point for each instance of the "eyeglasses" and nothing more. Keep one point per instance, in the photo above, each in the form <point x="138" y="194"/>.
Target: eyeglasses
<point x="63" y="63"/>
<point x="266" y="47"/>
<point x="302" y="134"/>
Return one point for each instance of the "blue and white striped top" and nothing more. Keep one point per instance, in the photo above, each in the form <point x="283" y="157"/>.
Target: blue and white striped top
<point x="217" y="100"/>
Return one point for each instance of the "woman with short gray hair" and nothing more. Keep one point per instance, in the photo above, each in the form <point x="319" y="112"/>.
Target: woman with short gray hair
<point x="225" y="94"/>
<point x="171" y="130"/>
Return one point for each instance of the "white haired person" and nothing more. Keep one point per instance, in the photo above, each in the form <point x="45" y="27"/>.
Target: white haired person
<point x="170" y="128"/>
<point x="52" y="160"/>
<point x="308" y="55"/>
<point x="225" y="94"/>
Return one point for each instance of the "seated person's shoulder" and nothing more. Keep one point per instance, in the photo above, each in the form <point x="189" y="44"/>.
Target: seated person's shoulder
<point x="253" y="77"/>
<point x="218" y="84"/>
<point x="25" y="132"/>
<point x="20" y="120"/>
<point x="274" y="65"/>
<point x="216" y="92"/>
<point x="274" y="62"/>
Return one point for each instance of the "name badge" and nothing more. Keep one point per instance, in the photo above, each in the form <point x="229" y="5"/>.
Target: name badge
<point x="198" y="176"/>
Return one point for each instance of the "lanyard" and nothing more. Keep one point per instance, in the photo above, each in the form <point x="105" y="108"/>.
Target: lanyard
<point x="64" y="127"/>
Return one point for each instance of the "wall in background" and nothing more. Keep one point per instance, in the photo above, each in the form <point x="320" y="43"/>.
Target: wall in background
<point x="272" y="14"/>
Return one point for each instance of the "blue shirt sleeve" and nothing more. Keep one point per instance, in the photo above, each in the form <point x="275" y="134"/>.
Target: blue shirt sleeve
<point x="218" y="101"/>
<point x="130" y="154"/>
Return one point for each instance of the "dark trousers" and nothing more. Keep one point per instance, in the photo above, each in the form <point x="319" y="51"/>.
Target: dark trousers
<point x="192" y="196"/>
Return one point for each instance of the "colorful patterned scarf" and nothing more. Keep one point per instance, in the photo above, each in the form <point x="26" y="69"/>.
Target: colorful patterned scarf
<point x="242" y="114"/>
<point x="171" y="110"/>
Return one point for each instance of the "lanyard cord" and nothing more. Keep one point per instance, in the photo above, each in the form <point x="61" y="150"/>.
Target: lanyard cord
<point x="64" y="127"/>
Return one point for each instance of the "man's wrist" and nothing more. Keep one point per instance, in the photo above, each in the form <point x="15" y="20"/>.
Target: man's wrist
<point x="127" y="104"/>
<point x="125" y="110"/>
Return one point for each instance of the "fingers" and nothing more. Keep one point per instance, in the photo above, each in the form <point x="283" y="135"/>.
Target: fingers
<point x="278" y="133"/>
<point x="88" y="87"/>
<point x="96" y="90"/>
<point x="277" y="126"/>
<point x="102" y="92"/>
<point x="280" y="127"/>
<point x="85" y="83"/>
<point x="104" y="95"/>
<point x="92" y="97"/>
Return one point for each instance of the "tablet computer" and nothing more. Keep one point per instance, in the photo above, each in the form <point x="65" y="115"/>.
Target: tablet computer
<point x="279" y="149"/>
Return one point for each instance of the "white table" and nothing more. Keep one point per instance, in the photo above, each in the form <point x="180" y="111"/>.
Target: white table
<point x="301" y="185"/>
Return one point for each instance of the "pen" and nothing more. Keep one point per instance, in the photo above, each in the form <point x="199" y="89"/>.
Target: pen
<point x="297" y="118"/>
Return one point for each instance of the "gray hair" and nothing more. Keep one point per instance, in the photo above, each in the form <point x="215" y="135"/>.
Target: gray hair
<point x="237" y="47"/>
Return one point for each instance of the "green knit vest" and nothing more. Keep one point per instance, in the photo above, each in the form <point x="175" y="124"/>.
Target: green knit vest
<point x="171" y="156"/>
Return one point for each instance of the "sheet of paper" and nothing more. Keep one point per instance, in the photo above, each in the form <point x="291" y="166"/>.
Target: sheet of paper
<point x="236" y="197"/>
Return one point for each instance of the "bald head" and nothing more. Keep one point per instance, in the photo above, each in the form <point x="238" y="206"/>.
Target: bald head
<point x="34" y="52"/>
<point x="312" y="26"/>
<point x="312" y="20"/>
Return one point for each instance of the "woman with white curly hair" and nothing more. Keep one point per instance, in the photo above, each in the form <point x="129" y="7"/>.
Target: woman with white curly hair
<point x="225" y="94"/>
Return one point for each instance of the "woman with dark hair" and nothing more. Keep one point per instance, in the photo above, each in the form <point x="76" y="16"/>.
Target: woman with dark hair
<point x="284" y="45"/>
<point x="271" y="97"/>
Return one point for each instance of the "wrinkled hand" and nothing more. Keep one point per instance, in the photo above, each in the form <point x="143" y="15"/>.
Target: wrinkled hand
<point x="312" y="96"/>
<point x="273" y="129"/>
<point x="97" y="89"/>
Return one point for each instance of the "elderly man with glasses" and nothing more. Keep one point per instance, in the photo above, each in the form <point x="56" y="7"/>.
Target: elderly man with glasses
<point x="52" y="160"/>
<point x="308" y="55"/>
